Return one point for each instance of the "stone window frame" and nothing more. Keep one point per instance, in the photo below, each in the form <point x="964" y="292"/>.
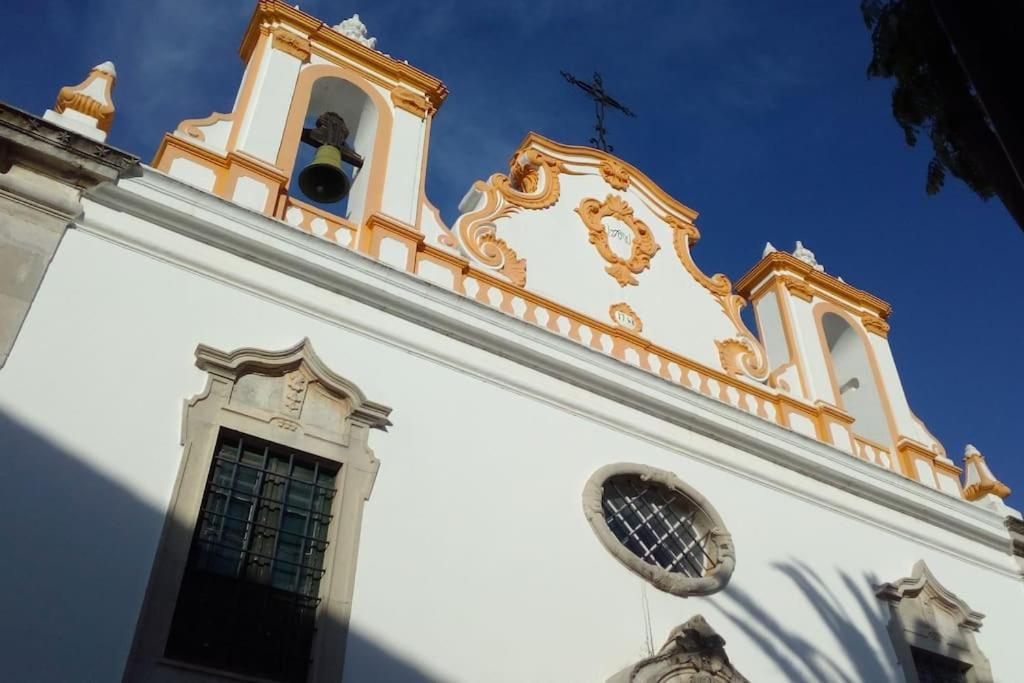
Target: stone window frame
<point x="290" y="398"/>
<point x="915" y="605"/>
<point x="675" y="583"/>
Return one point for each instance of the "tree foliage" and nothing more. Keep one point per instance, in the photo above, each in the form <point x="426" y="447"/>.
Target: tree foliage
<point x="932" y="97"/>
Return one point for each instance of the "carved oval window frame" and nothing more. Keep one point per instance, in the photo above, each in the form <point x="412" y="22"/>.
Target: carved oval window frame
<point x="676" y="583"/>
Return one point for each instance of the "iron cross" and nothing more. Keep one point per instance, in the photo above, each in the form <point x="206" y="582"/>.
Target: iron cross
<point x="601" y="100"/>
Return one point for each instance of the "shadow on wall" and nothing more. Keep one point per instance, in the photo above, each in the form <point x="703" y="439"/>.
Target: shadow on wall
<point x="77" y="550"/>
<point x="792" y="646"/>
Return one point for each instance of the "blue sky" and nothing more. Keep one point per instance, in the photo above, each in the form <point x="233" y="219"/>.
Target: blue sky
<point x="758" y="115"/>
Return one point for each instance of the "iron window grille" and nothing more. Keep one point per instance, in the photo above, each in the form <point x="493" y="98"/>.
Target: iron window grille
<point x="659" y="525"/>
<point x="248" y="599"/>
<point x="660" y="528"/>
<point x="935" y="668"/>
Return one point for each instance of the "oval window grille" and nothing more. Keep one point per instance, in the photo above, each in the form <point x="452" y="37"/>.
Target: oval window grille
<point x="660" y="528"/>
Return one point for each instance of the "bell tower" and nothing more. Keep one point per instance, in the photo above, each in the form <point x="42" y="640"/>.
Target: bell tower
<point x="829" y="342"/>
<point x="319" y="109"/>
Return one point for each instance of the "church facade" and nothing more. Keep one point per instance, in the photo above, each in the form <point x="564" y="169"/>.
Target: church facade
<point x="250" y="436"/>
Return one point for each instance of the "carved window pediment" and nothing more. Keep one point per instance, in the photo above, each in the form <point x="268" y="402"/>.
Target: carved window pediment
<point x="291" y="389"/>
<point x="693" y="653"/>
<point x="926" y="616"/>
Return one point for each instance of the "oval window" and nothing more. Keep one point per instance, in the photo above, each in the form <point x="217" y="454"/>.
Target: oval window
<point x="660" y="528"/>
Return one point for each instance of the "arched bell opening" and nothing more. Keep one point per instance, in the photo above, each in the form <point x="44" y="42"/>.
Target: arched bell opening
<point x="327" y="92"/>
<point x="853" y="377"/>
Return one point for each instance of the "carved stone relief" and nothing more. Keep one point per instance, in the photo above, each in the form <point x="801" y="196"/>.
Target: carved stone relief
<point x="694" y="653"/>
<point x="925" y="615"/>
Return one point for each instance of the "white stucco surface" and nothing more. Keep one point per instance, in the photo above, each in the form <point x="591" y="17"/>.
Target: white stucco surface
<point x="773" y="336"/>
<point x="192" y="173"/>
<point x="267" y="113"/>
<point x="475" y="562"/>
<point x="251" y="193"/>
<point x="405" y="166"/>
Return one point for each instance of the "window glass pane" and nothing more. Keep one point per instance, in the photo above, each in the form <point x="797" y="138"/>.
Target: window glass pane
<point x="305" y="471"/>
<point x="300" y="494"/>
<point x="253" y="457"/>
<point x="325" y="479"/>
<point x="246" y="479"/>
<point x="224" y="472"/>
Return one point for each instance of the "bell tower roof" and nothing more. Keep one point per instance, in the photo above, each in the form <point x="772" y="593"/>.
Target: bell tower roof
<point x="343" y="40"/>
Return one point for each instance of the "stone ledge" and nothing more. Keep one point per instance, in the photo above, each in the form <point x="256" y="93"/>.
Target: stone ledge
<point x="54" y="150"/>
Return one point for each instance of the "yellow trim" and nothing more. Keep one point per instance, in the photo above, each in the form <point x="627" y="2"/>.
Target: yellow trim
<point x="797" y="288"/>
<point x="274" y="12"/>
<point x="779" y="261"/>
<point x="378" y="226"/>
<point x="72" y="97"/>
<point x="875" y="325"/>
<point x="291" y="44"/>
<point x="627" y="310"/>
<point x="532" y="183"/>
<point x="936" y="446"/>
<point x="987" y="483"/>
<point x="615" y="174"/>
<point x="684" y="236"/>
<point x="588" y="156"/>
<point x="193" y="127"/>
<point x="409" y="101"/>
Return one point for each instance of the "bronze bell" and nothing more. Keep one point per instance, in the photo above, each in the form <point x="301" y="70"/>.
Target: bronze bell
<point x="324" y="180"/>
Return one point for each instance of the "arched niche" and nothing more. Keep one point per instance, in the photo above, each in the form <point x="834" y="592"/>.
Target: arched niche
<point x="854" y="378"/>
<point x="328" y="87"/>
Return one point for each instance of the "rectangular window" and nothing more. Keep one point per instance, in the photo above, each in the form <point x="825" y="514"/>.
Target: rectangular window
<point x="248" y="599"/>
<point x="934" y="668"/>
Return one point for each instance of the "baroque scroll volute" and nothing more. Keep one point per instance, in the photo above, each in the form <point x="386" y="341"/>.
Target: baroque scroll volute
<point x="742" y="355"/>
<point x="532" y="183"/>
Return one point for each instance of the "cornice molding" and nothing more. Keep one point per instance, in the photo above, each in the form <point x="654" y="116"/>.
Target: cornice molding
<point x="780" y="263"/>
<point x="274" y="12"/>
<point x="60" y="152"/>
<point x="613" y="170"/>
<point x="189" y="212"/>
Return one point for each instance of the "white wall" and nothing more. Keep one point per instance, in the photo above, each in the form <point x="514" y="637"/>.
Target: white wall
<point x="476" y="563"/>
<point x="267" y="114"/>
<point x="769" y="319"/>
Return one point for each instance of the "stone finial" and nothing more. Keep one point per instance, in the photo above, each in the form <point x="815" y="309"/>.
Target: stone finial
<point x="355" y="29"/>
<point x="87" y="108"/>
<point x="979" y="481"/>
<point x="807" y="256"/>
<point x="768" y="248"/>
